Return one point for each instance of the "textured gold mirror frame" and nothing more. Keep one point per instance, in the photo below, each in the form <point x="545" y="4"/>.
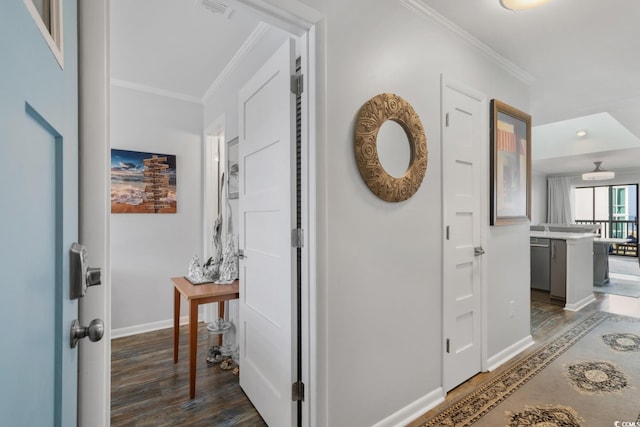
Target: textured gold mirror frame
<point x="376" y="111"/>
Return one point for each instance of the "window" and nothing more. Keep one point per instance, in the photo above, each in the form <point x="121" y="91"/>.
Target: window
<point x="619" y="203"/>
<point x="614" y="207"/>
<point x="47" y="14"/>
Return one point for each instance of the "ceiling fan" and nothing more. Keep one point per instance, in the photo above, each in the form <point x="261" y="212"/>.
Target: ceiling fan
<point x="516" y="5"/>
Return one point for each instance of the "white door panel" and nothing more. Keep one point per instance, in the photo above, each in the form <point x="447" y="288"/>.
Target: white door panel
<point x="266" y="152"/>
<point x="462" y="179"/>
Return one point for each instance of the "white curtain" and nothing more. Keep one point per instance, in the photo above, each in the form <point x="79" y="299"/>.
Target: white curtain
<point x="559" y="200"/>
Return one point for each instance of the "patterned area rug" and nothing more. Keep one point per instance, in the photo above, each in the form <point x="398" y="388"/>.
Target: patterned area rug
<point x="586" y="376"/>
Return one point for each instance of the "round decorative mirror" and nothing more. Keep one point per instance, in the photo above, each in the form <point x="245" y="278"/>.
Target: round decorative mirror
<point x="394" y="150"/>
<point x="399" y="182"/>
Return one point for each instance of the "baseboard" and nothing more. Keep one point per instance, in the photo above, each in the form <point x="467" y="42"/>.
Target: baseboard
<point x="147" y="327"/>
<point x="413" y="410"/>
<point x="580" y="304"/>
<point x="509" y="353"/>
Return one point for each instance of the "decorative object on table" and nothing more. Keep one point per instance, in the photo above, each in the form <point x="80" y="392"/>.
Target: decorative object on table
<point x="198" y="274"/>
<point x="211" y="269"/>
<point x="219" y="348"/>
<point x="233" y="169"/>
<point x="143" y="182"/>
<point x="195" y="274"/>
<point x="373" y="114"/>
<point x="510" y="165"/>
<point x="229" y="267"/>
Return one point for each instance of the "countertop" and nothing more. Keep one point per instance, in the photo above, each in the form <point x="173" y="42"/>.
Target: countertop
<point x="561" y="235"/>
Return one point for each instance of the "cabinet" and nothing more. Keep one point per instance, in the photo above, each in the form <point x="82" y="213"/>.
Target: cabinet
<point x="558" y="270"/>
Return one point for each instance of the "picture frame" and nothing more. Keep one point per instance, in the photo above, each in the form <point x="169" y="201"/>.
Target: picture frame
<point x="143" y="182"/>
<point x="233" y="169"/>
<point x="510" y="165"/>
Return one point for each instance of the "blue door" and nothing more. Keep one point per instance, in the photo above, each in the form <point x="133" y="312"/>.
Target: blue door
<point x="38" y="211"/>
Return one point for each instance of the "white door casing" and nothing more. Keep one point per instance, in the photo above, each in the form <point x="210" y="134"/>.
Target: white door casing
<point x="266" y="204"/>
<point x="94" y="364"/>
<point x="462" y="156"/>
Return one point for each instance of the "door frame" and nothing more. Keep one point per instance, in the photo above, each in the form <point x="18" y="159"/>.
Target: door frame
<point x="94" y="360"/>
<point x="94" y="30"/>
<point x="448" y="83"/>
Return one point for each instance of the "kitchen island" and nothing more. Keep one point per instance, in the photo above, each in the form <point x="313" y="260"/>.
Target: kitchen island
<point x="570" y="267"/>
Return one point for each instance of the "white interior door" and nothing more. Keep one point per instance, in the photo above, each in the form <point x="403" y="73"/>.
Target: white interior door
<point x="266" y="204"/>
<point x="39" y="215"/>
<point x="462" y="190"/>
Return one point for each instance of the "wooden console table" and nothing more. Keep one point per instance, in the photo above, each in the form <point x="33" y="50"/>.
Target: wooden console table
<point x="196" y="295"/>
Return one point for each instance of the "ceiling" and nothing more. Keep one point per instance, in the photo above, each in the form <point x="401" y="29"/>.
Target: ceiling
<point x="584" y="62"/>
<point x="175" y="47"/>
<point x="580" y="58"/>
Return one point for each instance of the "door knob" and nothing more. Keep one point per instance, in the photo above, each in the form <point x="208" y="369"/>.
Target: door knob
<point x="94" y="331"/>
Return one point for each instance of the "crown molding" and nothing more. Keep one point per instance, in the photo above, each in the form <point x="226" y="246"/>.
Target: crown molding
<point x="154" y="91"/>
<point x="253" y="39"/>
<point x="418" y="6"/>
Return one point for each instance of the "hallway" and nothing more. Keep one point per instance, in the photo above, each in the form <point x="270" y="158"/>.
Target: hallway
<point x="547" y="320"/>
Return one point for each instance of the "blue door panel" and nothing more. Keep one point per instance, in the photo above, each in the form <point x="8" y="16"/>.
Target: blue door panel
<point x="38" y="219"/>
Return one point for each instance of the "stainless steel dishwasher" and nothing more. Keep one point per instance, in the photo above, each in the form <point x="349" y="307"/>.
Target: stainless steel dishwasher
<point x="540" y="263"/>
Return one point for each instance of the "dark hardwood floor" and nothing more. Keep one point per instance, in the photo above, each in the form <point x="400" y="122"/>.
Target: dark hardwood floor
<point x="148" y="389"/>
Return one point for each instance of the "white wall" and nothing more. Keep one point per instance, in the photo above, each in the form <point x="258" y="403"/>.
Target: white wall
<point x="148" y="249"/>
<point x="538" y="198"/>
<point x="380" y="279"/>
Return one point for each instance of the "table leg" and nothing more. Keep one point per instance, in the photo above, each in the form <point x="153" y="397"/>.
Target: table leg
<point x="176" y="323"/>
<point x="193" y="346"/>
<point x="220" y="315"/>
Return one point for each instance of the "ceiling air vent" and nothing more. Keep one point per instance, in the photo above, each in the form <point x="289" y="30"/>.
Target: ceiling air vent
<point x="216" y="7"/>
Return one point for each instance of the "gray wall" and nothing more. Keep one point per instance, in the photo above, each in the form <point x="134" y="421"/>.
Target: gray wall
<point x="380" y="264"/>
<point x="538" y="198"/>
<point x="148" y="249"/>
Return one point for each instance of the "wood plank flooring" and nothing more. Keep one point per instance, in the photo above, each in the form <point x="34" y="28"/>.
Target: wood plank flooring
<point x="148" y="389"/>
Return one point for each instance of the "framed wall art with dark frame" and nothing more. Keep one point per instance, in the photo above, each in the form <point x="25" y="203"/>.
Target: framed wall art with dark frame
<point x="510" y="165"/>
<point x="233" y="170"/>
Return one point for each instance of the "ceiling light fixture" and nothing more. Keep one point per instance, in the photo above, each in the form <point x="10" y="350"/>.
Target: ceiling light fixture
<point x="516" y="5"/>
<point x="598" y="174"/>
<point x="581" y="132"/>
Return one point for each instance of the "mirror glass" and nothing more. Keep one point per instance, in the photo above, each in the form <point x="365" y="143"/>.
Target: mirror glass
<point x="394" y="150"/>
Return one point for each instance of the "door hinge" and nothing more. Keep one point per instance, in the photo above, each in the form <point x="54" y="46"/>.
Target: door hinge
<point x="448" y="343"/>
<point x="446" y="120"/>
<point x="447" y="232"/>
<point x="297" y="238"/>
<point x="297" y="83"/>
<point x="297" y="391"/>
